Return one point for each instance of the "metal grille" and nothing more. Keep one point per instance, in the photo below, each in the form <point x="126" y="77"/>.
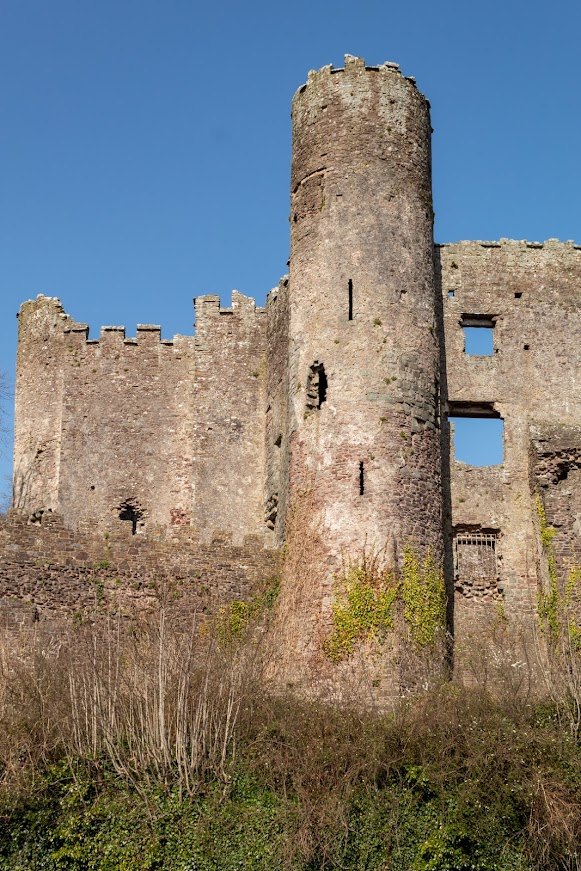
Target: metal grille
<point x="475" y="557"/>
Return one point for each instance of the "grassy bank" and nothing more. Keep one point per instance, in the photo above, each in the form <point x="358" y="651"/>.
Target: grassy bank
<point x="145" y="747"/>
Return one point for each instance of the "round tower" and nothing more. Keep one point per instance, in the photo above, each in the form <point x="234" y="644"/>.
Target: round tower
<point x="364" y="448"/>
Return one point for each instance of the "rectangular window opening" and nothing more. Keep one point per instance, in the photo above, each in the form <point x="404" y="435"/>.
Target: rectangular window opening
<point x="478" y="435"/>
<point x="478" y="334"/>
<point x="450" y="294"/>
<point x="350" y="300"/>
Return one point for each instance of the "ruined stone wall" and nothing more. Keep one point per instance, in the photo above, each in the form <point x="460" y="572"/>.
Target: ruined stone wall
<point x="126" y="440"/>
<point x="276" y="429"/>
<point x="49" y="572"/>
<point x="530" y="293"/>
<point x="157" y="433"/>
<point x="556" y="478"/>
<point x="39" y="400"/>
<point x="228" y="417"/>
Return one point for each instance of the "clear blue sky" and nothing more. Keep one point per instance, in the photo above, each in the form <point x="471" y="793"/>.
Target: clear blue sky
<point x="145" y="144"/>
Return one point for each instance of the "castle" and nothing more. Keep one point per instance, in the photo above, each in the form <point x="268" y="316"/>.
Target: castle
<point x="328" y="409"/>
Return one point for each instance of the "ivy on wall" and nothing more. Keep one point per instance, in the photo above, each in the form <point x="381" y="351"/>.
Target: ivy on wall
<point x="558" y="609"/>
<point x="424" y="597"/>
<point x="237" y="617"/>
<point x="368" y="597"/>
<point x="364" y="610"/>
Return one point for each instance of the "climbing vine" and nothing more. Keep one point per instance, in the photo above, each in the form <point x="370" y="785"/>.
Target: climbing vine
<point x="548" y="600"/>
<point x="367" y="597"/>
<point x="237" y="617"/>
<point x="572" y="588"/>
<point x="555" y="608"/>
<point x="364" y="606"/>
<point x="424" y="597"/>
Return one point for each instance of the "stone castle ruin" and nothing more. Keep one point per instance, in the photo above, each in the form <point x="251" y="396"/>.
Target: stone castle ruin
<point x="318" y="425"/>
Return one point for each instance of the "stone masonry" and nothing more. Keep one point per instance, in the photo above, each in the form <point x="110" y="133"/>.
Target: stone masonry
<point x="319" y="425"/>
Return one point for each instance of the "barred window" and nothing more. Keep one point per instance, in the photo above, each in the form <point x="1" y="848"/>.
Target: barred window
<point x="476" y="560"/>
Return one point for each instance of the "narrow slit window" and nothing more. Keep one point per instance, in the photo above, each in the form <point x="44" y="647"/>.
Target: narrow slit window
<point x="361" y="479"/>
<point x="322" y="387"/>
<point x="478" y="440"/>
<point x="350" y="300"/>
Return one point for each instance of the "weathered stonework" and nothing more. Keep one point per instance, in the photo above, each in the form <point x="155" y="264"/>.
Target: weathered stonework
<point x="531" y="292"/>
<point x="320" y="422"/>
<point x="50" y="572"/>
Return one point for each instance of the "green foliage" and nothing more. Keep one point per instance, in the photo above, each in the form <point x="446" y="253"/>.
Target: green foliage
<point x="237" y="617"/>
<point x="424" y="597"/>
<point x="99" y="591"/>
<point x="364" y="608"/>
<point x="449" y="785"/>
<point x="572" y="592"/>
<point x="367" y="597"/>
<point x="73" y="826"/>
<point x="548" y="600"/>
<point x="557" y="608"/>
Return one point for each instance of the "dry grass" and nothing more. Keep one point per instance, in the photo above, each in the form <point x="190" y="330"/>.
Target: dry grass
<point x="176" y="709"/>
<point x="157" y="703"/>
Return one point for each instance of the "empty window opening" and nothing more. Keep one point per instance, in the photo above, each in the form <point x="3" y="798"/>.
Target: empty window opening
<point x="526" y="347"/>
<point x="131" y="514"/>
<point x="361" y="479"/>
<point x="478" y="335"/>
<point x="316" y="386"/>
<point x="450" y="294"/>
<point x="518" y="294"/>
<point x="478" y="341"/>
<point x="476" y="562"/>
<point x="350" y="300"/>
<point x="478" y="435"/>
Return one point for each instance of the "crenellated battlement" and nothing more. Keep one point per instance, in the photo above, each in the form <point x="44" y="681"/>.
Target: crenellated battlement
<point x="355" y="66"/>
<point x="510" y="244"/>
<point x="208" y="311"/>
<point x="209" y="306"/>
<point x="123" y="415"/>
